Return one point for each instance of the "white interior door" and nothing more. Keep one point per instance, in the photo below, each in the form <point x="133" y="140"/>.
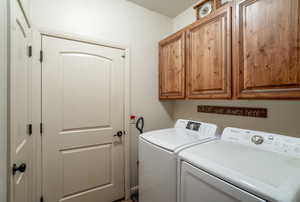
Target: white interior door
<point x="82" y="110"/>
<point x="21" y="160"/>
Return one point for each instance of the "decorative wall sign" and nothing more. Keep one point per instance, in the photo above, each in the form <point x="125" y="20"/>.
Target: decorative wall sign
<point x="237" y="111"/>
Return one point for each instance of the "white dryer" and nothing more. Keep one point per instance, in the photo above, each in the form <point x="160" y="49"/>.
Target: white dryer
<point x="244" y="165"/>
<point x="158" y="157"/>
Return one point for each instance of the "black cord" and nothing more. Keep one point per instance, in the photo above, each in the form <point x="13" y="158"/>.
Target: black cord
<point x="140" y="124"/>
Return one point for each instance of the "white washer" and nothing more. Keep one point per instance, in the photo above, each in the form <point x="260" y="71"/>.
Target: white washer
<point x="158" y="157"/>
<point x="244" y="165"/>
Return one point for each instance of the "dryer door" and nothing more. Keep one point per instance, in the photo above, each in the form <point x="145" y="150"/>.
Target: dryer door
<point x="199" y="186"/>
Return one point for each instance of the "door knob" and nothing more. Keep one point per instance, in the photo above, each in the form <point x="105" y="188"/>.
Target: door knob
<point x="21" y="168"/>
<point x="119" y="134"/>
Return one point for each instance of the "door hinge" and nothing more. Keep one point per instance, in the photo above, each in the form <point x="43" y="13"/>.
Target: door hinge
<point x="29" y="129"/>
<point x="42" y="199"/>
<point x="41" y="56"/>
<point x="30" y="51"/>
<point x="41" y="128"/>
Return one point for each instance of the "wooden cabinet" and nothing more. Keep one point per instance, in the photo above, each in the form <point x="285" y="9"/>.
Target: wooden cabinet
<point x="172" y="67"/>
<point x="253" y="51"/>
<point x="209" y="57"/>
<point x="266" y="49"/>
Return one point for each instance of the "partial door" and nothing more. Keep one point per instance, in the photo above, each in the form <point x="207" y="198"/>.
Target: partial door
<point x="209" y="56"/>
<point x="172" y="67"/>
<point x="267" y="54"/>
<point x="21" y="161"/>
<point x="82" y="111"/>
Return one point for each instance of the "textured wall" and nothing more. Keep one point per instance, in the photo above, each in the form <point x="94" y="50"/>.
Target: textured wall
<point x="284" y="116"/>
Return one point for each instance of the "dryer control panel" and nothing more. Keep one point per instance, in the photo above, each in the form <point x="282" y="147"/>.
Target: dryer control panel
<point x="267" y="141"/>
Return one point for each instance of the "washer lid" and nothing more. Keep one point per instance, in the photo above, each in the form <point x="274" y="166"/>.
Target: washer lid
<point x="184" y="133"/>
<point x="269" y="174"/>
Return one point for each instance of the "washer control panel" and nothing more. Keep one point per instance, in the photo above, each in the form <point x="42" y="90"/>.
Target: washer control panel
<point x="266" y="141"/>
<point x="191" y="125"/>
<point x="196" y="127"/>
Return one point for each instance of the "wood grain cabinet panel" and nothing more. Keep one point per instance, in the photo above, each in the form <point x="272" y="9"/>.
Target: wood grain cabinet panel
<point x="172" y="67"/>
<point x="266" y="49"/>
<point x="209" y="57"/>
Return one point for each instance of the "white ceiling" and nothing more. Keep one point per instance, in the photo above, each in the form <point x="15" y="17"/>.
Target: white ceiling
<point x="169" y="8"/>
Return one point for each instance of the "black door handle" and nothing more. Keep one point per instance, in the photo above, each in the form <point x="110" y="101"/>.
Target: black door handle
<point x="21" y="168"/>
<point x="119" y="134"/>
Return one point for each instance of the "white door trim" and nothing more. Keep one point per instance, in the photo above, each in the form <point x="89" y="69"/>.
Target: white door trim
<point x="3" y="98"/>
<point x="37" y="38"/>
<point x="85" y="39"/>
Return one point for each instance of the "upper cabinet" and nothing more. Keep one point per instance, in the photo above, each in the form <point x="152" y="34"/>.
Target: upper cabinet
<point x="209" y="57"/>
<point x="172" y="67"/>
<point x="266" y="49"/>
<point x="247" y="49"/>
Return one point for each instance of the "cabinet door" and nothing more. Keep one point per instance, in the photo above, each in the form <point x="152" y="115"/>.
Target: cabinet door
<point x="266" y="45"/>
<point x="209" y="57"/>
<point x="172" y="67"/>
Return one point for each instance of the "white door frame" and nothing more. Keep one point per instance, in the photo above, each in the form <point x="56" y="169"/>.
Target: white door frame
<point x="36" y="89"/>
<point x="3" y="98"/>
